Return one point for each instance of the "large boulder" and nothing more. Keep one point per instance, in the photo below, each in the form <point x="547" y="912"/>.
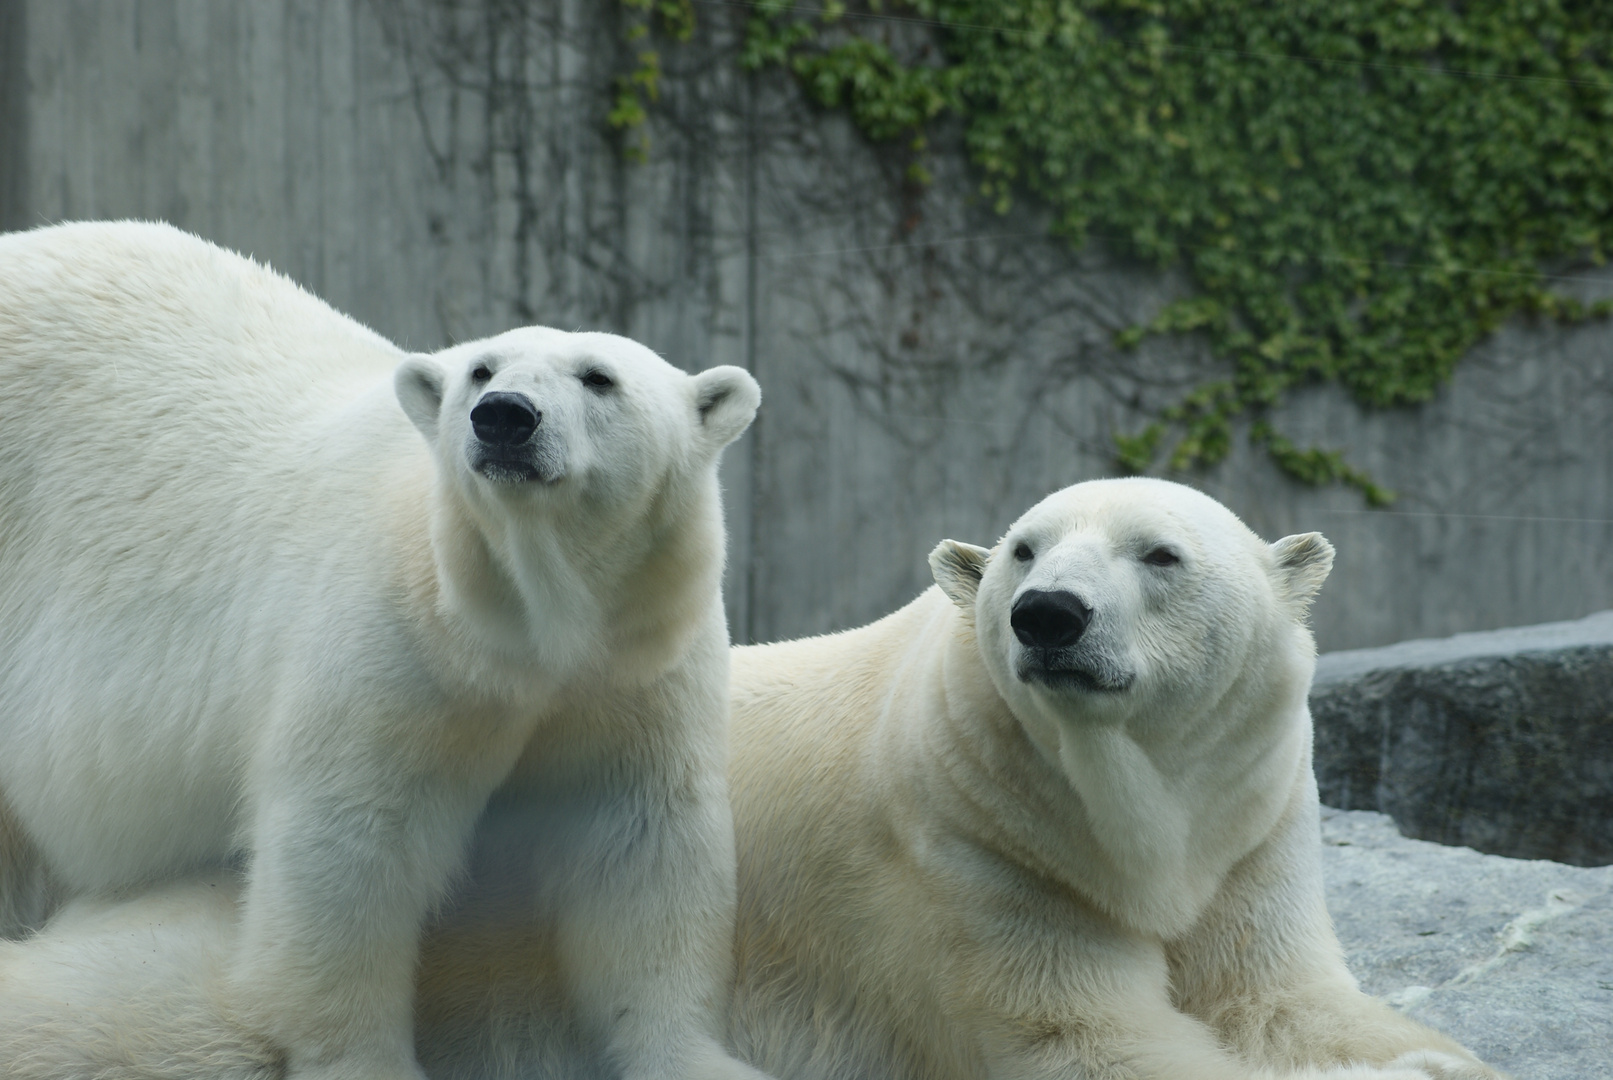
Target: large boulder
<point x="1513" y="958"/>
<point x="1501" y="741"/>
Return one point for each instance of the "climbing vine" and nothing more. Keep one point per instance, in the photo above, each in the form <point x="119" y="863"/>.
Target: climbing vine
<point x="641" y="87"/>
<point x="1359" y="190"/>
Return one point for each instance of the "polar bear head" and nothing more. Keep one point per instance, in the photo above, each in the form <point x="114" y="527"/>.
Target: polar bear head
<point x="577" y="507"/>
<point x="537" y="410"/>
<point x="1137" y="602"/>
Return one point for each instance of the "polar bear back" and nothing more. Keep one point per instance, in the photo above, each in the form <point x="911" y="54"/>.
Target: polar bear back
<point x="186" y="442"/>
<point x="154" y="378"/>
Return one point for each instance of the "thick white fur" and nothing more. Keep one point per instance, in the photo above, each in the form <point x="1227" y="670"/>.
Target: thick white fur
<point x="945" y="872"/>
<point x="948" y="871"/>
<point x="249" y="615"/>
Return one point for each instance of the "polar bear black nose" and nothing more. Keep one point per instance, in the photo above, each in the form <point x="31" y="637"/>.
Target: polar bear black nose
<point x="504" y="419"/>
<point x="1049" y="620"/>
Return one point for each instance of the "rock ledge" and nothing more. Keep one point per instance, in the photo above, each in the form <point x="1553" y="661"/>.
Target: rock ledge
<point x="1500" y="741"/>
<point x="1512" y="957"/>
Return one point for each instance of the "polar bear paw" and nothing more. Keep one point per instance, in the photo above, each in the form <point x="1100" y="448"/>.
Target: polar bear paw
<point x="354" y="1068"/>
<point x="1441" y="1066"/>
<point x="708" y="1061"/>
<point x="1413" y="1065"/>
<point x="733" y="1069"/>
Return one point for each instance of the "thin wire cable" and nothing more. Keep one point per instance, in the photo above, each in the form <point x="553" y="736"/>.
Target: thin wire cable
<point x="1469" y="517"/>
<point x="1229" y="495"/>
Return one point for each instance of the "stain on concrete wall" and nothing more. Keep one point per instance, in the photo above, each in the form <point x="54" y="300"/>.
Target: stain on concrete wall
<point x="13" y="114"/>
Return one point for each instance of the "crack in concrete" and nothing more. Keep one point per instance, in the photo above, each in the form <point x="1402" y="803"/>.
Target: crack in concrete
<point x="1515" y="937"/>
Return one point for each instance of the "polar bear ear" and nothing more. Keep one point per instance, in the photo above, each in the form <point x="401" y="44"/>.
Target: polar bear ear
<point x="725" y="400"/>
<point x="1303" y="563"/>
<point x="418" y="382"/>
<point x="957" y="568"/>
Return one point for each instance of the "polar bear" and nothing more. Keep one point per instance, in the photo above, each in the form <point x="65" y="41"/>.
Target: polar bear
<point x="255" y="614"/>
<point x="1055" y="818"/>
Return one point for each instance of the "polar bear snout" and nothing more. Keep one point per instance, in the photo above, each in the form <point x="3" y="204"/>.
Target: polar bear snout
<point x="1049" y="620"/>
<point x="503" y="419"/>
<point x="1056" y="649"/>
<point x="510" y="443"/>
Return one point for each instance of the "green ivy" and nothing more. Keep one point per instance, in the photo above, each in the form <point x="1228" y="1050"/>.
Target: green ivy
<point x="1360" y="190"/>
<point x="641" y="87"/>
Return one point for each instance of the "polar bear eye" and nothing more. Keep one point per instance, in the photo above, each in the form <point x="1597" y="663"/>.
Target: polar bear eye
<point x="1023" y="552"/>
<point x="598" y="380"/>
<point x="481" y="373"/>
<point x="1162" y="556"/>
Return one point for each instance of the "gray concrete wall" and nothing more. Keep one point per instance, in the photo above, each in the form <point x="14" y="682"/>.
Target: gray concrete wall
<point x="13" y="114"/>
<point x="442" y="169"/>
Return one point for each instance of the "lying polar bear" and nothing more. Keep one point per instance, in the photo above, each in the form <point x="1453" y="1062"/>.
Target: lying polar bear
<point x="1055" y="818"/>
<point x="252" y="609"/>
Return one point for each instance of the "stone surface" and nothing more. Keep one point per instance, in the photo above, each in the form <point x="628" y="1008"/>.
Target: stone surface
<point x="1500" y="741"/>
<point x="1514" y="958"/>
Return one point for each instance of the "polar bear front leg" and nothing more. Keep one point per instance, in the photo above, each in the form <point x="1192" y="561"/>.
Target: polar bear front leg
<point x="1264" y="969"/>
<point x="341" y="879"/>
<point x="1120" y="1025"/>
<point x="646" y="937"/>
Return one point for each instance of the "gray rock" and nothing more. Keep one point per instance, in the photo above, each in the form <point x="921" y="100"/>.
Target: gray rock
<point x="1501" y="741"/>
<point x="1514" y="958"/>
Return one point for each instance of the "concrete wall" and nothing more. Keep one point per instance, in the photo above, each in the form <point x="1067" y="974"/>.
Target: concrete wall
<point x="441" y="169"/>
<point x="13" y="114"/>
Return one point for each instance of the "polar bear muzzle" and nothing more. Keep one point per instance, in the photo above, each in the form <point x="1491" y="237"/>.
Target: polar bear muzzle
<point x="1051" y="626"/>
<point x="1073" y="670"/>
<point x="502" y="419"/>
<point x="509" y="444"/>
<point x="1049" y="620"/>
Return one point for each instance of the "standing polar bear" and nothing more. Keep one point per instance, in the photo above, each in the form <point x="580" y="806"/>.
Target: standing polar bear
<point x="251" y="609"/>
<point x="1055" y="818"/>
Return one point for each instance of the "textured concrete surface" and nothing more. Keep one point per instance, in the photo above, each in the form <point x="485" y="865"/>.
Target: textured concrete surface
<point x="14" y="110"/>
<point x="1512" y="957"/>
<point x="443" y="169"/>
<point x="1501" y="741"/>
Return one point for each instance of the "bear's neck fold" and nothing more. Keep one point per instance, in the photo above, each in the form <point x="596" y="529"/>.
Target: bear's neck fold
<point x="531" y="602"/>
<point x="500" y="590"/>
<point x="1144" y="830"/>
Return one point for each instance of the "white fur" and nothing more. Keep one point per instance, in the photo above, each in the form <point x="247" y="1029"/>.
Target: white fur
<point x="937" y="879"/>
<point x="248" y="613"/>
<point x="948" y="871"/>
